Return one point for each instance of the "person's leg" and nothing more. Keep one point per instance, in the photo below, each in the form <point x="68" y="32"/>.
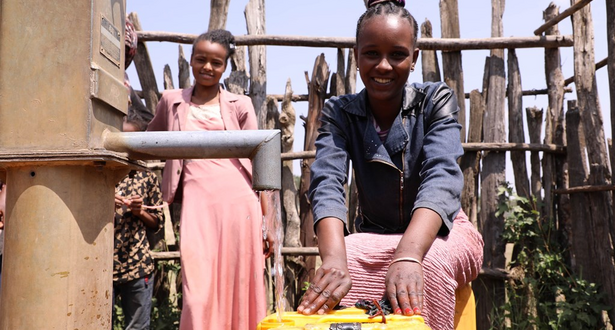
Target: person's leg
<point x="451" y="262"/>
<point x="114" y="291"/>
<point x="136" y="300"/>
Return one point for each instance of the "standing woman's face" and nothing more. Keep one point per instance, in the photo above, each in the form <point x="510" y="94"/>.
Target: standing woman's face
<point x="208" y="63"/>
<point x="385" y="54"/>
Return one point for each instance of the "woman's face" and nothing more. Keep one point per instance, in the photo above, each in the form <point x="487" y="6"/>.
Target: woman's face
<point x="385" y="54"/>
<point x="208" y="63"/>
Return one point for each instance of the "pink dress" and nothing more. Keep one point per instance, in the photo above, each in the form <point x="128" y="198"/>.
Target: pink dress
<point x="451" y="262"/>
<point x="220" y="240"/>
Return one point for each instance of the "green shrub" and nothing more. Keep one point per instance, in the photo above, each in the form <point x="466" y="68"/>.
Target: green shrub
<point x="545" y="293"/>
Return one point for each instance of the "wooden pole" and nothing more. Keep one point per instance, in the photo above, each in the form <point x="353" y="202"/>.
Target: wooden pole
<point x="600" y="223"/>
<point x="429" y="58"/>
<point x="353" y="194"/>
<point x="237" y="82"/>
<point x="255" y="21"/>
<point x="554" y="168"/>
<point x="470" y="161"/>
<point x="289" y="190"/>
<point x="515" y="123"/>
<point x="349" y="42"/>
<point x="585" y="189"/>
<point x="610" y="26"/>
<point x="338" y="79"/>
<point x="490" y="294"/>
<point x="294" y="264"/>
<point x="271" y="115"/>
<point x="350" y="85"/>
<point x="184" y="69"/>
<point x="231" y="83"/>
<point x="534" y="126"/>
<point x="451" y="60"/>
<point x="599" y="65"/>
<point x="167" y="76"/>
<point x="317" y="88"/>
<point x="143" y="64"/>
<point x="468" y="147"/>
<point x="218" y="14"/>
<point x="552" y="21"/>
<point x="580" y="253"/>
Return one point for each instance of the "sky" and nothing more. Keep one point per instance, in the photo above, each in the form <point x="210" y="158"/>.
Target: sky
<point x="337" y="18"/>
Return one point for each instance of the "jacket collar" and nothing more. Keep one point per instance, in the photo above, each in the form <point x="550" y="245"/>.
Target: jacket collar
<point x="183" y="105"/>
<point x="224" y="96"/>
<point x="397" y="137"/>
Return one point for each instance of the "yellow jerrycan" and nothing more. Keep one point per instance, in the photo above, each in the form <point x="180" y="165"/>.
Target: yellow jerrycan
<point x="344" y="319"/>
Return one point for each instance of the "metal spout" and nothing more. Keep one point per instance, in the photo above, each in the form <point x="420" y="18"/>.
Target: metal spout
<point x="263" y="147"/>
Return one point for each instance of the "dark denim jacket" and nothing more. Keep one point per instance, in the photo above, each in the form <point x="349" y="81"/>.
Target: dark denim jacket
<point x="416" y="166"/>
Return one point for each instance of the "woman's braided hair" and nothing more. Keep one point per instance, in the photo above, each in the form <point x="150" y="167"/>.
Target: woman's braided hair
<point x="386" y="7"/>
<point x="222" y="37"/>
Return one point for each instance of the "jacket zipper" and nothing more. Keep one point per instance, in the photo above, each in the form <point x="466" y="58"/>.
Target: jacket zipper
<point x="401" y="178"/>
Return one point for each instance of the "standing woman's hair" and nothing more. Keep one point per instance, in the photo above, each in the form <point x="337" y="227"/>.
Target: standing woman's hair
<point x="386" y="7"/>
<point x="137" y="121"/>
<point x="222" y="37"/>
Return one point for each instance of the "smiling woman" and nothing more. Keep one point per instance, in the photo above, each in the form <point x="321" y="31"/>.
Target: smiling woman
<point x="403" y="142"/>
<point x="210" y="54"/>
<point x="221" y="238"/>
<point x="386" y="54"/>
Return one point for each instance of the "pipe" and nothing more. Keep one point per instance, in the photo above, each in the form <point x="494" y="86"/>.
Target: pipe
<point x="263" y="147"/>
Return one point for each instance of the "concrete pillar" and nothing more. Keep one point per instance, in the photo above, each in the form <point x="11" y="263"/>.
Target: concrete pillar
<point x="61" y="87"/>
<point x="57" y="266"/>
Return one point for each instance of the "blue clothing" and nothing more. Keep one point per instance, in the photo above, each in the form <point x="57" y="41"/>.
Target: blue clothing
<point x="415" y="167"/>
<point x="136" y="301"/>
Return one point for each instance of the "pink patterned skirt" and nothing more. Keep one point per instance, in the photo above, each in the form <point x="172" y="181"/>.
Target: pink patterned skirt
<point x="450" y="263"/>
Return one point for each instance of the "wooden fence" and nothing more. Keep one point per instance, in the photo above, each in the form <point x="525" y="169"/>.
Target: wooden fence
<point x="572" y="179"/>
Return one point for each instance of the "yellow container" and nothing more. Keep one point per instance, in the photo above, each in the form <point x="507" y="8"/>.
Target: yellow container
<point x="296" y="321"/>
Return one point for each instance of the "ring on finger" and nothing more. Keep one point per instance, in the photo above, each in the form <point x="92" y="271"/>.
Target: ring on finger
<point x="315" y="288"/>
<point x="326" y="293"/>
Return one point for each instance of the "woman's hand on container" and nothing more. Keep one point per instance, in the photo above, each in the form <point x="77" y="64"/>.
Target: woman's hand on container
<point x="404" y="280"/>
<point x="404" y="287"/>
<point x="331" y="283"/>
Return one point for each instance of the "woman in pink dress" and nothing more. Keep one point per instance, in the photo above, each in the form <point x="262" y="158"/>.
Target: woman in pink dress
<point x="221" y="238"/>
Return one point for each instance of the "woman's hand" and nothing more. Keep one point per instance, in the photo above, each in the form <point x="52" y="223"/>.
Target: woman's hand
<point x="331" y="283"/>
<point x="404" y="287"/>
<point x="404" y="280"/>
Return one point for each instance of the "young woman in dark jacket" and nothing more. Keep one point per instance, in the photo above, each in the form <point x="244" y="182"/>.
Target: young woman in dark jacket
<point x="415" y="246"/>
